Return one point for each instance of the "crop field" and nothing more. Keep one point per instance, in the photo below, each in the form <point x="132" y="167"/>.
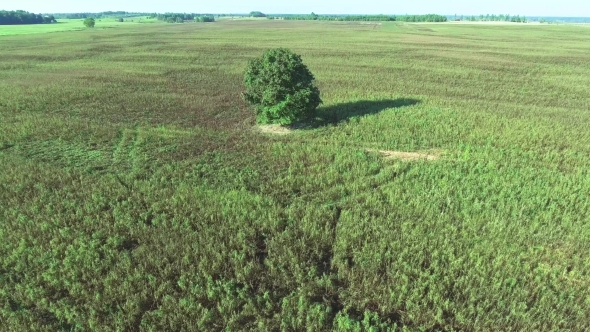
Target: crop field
<point x="444" y="186"/>
<point x="68" y="25"/>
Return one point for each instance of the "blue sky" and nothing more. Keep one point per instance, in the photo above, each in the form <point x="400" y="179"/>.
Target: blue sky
<point x="466" y="7"/>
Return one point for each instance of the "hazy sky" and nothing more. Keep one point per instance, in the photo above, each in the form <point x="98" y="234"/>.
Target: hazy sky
<point x="513" y="7"/>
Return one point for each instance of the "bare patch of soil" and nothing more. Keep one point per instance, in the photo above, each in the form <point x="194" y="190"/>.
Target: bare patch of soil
<point x="405" y="156"/>
<point x="274" y="129"/>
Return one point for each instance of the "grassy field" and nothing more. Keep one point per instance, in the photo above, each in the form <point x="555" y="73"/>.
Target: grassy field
<point x="68" y="25"/>
<point x="136" y="192"/>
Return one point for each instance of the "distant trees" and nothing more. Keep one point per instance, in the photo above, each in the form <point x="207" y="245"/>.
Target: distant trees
<point x="183" y="17"/>
<point x="100" y="15"/>
<point x="365" y="18"/>
<point x="421" y="18"/>
<point x="257" y="14"/>
<point x="518" y="19"/>
<point x="24" y="17"/>
<point x="77" y="16"/>
<point x="174" y="17"/>
<point x="89" y="22"/>
<point x="205" y="19"/>
<point x="116" y="13"/>
<point x="48" y="19"/>
<point x="121" y="19"/>
<point x="497" y="18"/>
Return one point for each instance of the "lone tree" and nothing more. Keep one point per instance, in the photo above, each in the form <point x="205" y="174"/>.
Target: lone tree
<point x="204" y="19"/>
<point x="280" y="88"/>
<point x="257" y="14"/>
<point x="89" y="22"/>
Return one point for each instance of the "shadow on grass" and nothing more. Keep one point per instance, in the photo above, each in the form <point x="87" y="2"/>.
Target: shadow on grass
<point x="344" y="112"/>
<point x="5" y="146"/>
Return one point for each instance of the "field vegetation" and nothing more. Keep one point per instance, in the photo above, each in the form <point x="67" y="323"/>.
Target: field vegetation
<point x="70" y="25"/>
<point x="138" y="194"/>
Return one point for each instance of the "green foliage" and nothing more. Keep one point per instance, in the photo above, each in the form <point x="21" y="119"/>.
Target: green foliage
<point x="22" y="17"/>
<point x="89" y="22"/>
<point x="174" y="17"/>
<point x="497" y="18"/>
<point x="107" y="14"/>
<point x="136" y="196"/>
<point x="280" y="88"/>
<point x="257" y="14"/>
<point x="205" y="19"/>
<point x="363" y="18"/>
<point x="120" y="19"/>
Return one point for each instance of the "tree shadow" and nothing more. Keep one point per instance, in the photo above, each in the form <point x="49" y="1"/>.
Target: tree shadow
<point x="344" y="112"/>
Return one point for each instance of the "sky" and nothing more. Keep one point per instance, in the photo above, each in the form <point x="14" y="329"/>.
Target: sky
<point x="577" y="8"/>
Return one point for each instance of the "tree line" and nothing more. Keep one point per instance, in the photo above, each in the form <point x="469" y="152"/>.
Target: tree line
<point x="106" y="14"/>
<point x="166" y="17"/>
<point x="183" y="17"/>
<point x="492" y="18"/>
<point x="364" y="18"/>
<point x="23" y="17"/>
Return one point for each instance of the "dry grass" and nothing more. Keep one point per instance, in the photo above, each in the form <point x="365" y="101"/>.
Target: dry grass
<point x="405" y="156"/>
<point x="274" y="129"/>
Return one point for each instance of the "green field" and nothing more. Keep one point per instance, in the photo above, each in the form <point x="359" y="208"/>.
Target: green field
<point x="68" y="25"/>
<point x="137" y="193"/>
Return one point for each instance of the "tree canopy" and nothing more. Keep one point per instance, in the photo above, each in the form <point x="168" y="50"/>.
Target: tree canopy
<point x="175" y="17"/>
<point x="257" y="14"/>
<point x="89" y="22"/>
<point x="23" y="17"/>
<point x="205" y="18"/>
<point x="280" y="87"/>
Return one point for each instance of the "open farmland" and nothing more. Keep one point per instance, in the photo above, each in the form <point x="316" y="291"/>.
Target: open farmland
<point x="68" y="25"/>
<point x="136" y="192"/>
